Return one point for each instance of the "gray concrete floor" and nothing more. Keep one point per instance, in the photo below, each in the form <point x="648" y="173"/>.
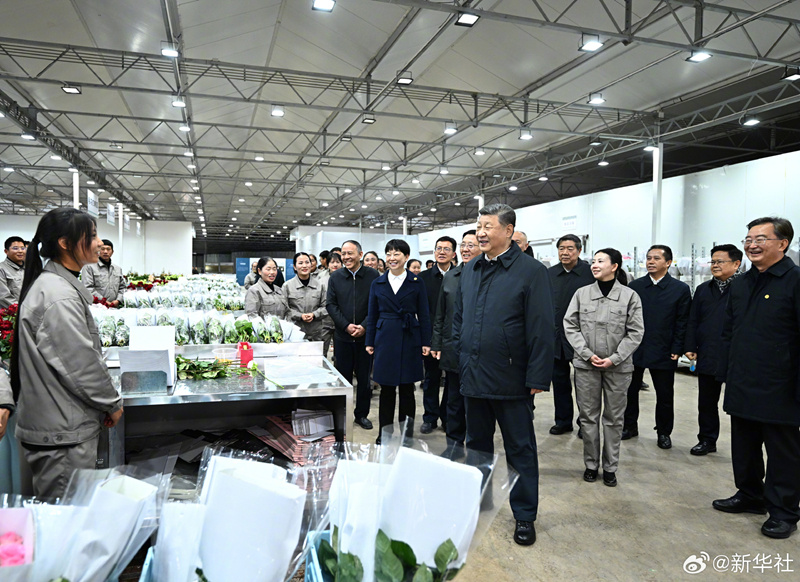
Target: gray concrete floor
<point x="643" y="529"/>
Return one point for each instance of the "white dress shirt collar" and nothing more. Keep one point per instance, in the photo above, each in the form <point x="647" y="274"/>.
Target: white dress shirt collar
<point x="396" y="281"/>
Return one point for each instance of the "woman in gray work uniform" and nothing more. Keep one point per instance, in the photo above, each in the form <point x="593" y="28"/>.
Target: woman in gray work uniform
<point x="63" y="390"/>
<point x="265" y="297"/>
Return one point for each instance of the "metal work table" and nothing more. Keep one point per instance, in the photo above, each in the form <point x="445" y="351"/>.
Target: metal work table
<point x="306" y="379"/>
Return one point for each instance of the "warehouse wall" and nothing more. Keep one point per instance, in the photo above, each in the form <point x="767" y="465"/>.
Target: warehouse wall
<point x="168" y="247"/>
<point x="313" y="239"/>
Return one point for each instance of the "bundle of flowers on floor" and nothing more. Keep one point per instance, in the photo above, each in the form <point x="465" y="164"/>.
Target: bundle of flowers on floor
<point x="90" y="536"/>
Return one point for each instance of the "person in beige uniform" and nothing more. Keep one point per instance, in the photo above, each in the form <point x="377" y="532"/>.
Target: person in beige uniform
<point x="104" y="279"/>
<point x="12" y="271"/>
<point x="604" y="325"/>
<point x="63" y="390"/>
<point x="306" y="296"/>
<point x="252" y="277"/>
<point x="265" y="297"/>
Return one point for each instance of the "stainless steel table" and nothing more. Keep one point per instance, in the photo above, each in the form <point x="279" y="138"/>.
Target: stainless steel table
<point x="307" y="379"/>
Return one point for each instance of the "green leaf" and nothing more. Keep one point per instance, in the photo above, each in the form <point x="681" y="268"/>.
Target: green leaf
<point x="445" y="554"/>
<point x="450" y="574"/>
<point x="423" y="574"/>
<point x="403" y="551"/>
<point x="350" y="568"/>
<point x="335" y="538"/>
<point x="382" y="542"/>
<point x="392" y="566"/>
<point x="331" y="566"/>
<point x="327" y="557"/>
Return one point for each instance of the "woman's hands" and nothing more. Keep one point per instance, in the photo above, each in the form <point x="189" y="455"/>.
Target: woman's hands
<point x="307" y="317"/>
<point x="370" y="350"/>
<point x="599" y="362"/>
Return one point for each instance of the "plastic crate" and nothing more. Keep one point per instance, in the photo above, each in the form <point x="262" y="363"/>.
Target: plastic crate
<point x="313" y="569"/>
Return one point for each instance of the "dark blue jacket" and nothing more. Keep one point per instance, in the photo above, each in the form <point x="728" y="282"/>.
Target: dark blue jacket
<point x="442" y="339"/>
<point x="564" y="286"/>
<point x="397" y="327"/>
<point x="704" y="330"/>
<point x="665" y="308"/>
<point x="433" y="284"/>
<point x="503" y="326"/>
<point x="348" y="299"/>
<point x="762" y="330"/>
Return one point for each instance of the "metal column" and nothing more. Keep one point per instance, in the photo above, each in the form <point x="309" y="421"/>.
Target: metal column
<point x="658" y="175"/>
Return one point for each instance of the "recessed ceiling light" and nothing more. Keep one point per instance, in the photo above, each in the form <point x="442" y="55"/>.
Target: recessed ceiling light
<point x="596" y="99"/>
<point x="602" y="163"/>
<point x="590" y="43"/>
<point x="71" y="89"/>
<point x="323" y="5"/>
<point x="699" y="56"/>
<point x="248" y="184"/>
<point x="178" y="101"/>
<point x="55" y="157"/>
<point x="467" y="20"/>
<point x="184" y="128"/>
<point x="277" y="111"/>
<point x="512" y="188"/>
<point x="259" y="158"/>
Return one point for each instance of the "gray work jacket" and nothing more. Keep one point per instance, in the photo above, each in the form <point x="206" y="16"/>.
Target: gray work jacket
<point x="6" y="394"/>
<point x="608" y="327"/>
<point x="65" y="389"/>
<point x="262" y="301"/>
<point x="308" y="299"/>
<point x="104" y="281"/>
<point x="11" y="275"/>
<point x="250" y="279"/>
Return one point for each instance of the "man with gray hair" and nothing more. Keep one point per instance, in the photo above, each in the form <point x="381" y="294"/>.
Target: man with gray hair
<point x="503" y="331"/>
<point x="760" y="369"/>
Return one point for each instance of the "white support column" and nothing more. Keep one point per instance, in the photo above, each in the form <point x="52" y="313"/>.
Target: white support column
<point x="405" y="226"/>
<point x="658" y="175"/>
<point x="119" y="226"/>
<point x="76" y="182"/>
<point x="481" y="201"/>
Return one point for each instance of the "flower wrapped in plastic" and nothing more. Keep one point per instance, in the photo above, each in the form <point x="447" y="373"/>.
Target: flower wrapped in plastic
<point x="260" y="332"/>
<point x="197" y="328"/>
<point x="164" y="317"/>
<point x="181" y="320"/>
<point x="144" y="299"/>
<point x="131" y="300"/>
<point x="275" y="330"/>
<point x="146" y="317"/>
<point x="231" y="336"/>
<point x="122" y="333"/>
<point x="214" y="329"/>
<point x="107" y="328"/>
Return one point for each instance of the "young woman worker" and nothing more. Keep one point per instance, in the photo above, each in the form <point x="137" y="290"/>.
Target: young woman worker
<point x="265" y="297"/>
<point x="604" y="325"/>
<point x="398" y="333"/>
<point x="65" y="395"/>
<point x="306" y="296"/>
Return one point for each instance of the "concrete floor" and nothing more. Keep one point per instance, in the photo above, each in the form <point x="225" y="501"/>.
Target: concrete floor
<point x="645" y="528"/>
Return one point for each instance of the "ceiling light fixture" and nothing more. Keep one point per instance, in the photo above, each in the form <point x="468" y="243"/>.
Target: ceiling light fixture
<point x="178" y="101"/>
<point x="278" y="111"/>
<point x="8" y="169"/>
<point x="73" y="170"/>
<point x="323" y="5"/>
<point x="525" y="134"/>
<point x="512" y="188"/>
<point x="457" y="204"/>
<point x="378" y="198"/>
<point x="347" y="137"/>
<point x="248" y="184"/>
<point x="115" y="145"/>
<point x="450" y="128"/>
<point x="791" y="74"/>
<point x="480" y="152"/>
<point x="404" y="78"/>
<point x="324" y="162"/>
<point x="590" y="43"/>
<point x="443" y="170"/>
<point x="193" y="181"/>
<point x="308" y="214"/>
<point x="259" y="158"/>
<point x="699" y="56"/>
<point x="324" y="204"/>
<point x="466" y="19"/>
<point x="420" y="214"/>
<point x="750" y="121"/>
<point x="363" y="206"/>
<point x="368" y="118"/>
<point x="71" y="89"/>
<point x="188" y="153"/>
<point x="184" y="128"/>
<point x="195" y="188"/>
<point x="650" y="148"/>
<point x="395" y="192"/>
<point x="596" y="99"/>
<point x="169" y="49"/>
<point x="55" y="157"/>
<point x="385" y="167"/>
<point x="602" y="163"/>
<point x="241" y="199"/>
<point x="90" y="183"/>
<point x="28" y="136"/>
<point x="347" y="190"/>
<point x="595" y="143"/>
<point x="191" y="166"/>
<point x="543" y="178"/>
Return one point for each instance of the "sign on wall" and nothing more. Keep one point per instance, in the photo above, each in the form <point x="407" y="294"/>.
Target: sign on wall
<point x="570" y="222"/>
<point x="92" y="204"/>
<point x="127" y="222"/>
<point x="110" y="218"/>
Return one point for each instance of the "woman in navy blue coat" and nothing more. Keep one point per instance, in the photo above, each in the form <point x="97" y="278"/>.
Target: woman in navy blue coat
<point x="398" y="333"/>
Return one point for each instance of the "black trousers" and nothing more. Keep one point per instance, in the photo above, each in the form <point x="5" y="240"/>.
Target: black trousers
<point x="664" y="384"/>
<point x="434" y="409"/>
<point x="781" y="488"/>
<point x="562" y="393"/>
<point x="708" y="391"/>
<point x="387" y="401"/>
<point x="515" y="418"/>
<point x="352" y="358"/>
<point x="456" y="415"/>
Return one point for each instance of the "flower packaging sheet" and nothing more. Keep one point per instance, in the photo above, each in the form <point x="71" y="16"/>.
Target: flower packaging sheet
<point x="177" y="548"/>
<point x="17" y="541"/>
<point x="246" y="469"/>
<point x="424" y="512"/>
<point x="251" y="528"/>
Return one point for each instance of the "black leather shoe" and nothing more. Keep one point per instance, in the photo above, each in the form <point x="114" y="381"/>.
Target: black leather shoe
<point x="629" y="433"/>
<point x="664" y="442"/>
<point x="378" y="441"/>
<point x="524" y="534"/>
<point x="779" y="529"/>
<point x="739" y="505"/>
<point x="427" y="428"/>
<point x="703" y="448"/>
<point x="556" y="429"/>
<point x="590" y="475"/>
<point x="609" y="479"/>
<point x="580" y="433"/>
<point x="364" y="423"/>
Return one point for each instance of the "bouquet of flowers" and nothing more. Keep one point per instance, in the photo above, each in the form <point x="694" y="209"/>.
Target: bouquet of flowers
<point x="8" y="320"/>
<point x="122" y="334"/>
<point x="146" y="317"/>
<point x="163" y="317"/>
<point x="275" y="330"/>
<point x="197" y="328"/>
<point x="182" y="336"/>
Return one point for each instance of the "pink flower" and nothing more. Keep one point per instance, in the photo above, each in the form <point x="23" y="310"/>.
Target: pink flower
<point x="12" y="554"/>
<point x="10" y="538"/>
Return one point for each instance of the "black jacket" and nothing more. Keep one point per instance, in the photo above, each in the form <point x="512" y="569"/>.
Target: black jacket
<point x="503" y="327"/>
<point x="666" y="311"/>
<point x="762" y="332"/>
<point x="443" y="322"/>
<point x="348" y="299"/>
<point x="433" y="284"/>
<point x="704" y="330"/>
<point x="564" y="286"/>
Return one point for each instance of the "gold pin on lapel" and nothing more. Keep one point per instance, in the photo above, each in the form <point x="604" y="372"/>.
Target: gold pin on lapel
<point x="766" y="296"/>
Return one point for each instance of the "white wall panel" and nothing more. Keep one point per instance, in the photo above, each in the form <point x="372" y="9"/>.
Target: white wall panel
<point x="167" y="247"/>
<point x="312" y="239"/>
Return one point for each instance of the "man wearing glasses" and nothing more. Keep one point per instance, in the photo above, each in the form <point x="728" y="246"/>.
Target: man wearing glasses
<point x="762" y="391"/>
<point x="569" y="275"/>
<point x="12" y="270"/>
<point x="435" y="409"/>
<point x="704" y="341"/>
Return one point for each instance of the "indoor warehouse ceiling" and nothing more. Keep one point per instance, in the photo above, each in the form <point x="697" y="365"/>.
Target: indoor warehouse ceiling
<point x="250" y="117"/>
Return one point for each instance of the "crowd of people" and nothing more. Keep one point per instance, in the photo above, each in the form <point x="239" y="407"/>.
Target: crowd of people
<point x="483" y="336"/>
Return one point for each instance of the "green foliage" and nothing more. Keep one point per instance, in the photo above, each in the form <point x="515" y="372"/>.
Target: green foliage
<point x="343" y="567"/>
<point x="200" y="576"/>
<point x="445" y="554"/>
<point x="201" y="370"/>
<point x="423" y="574"/>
